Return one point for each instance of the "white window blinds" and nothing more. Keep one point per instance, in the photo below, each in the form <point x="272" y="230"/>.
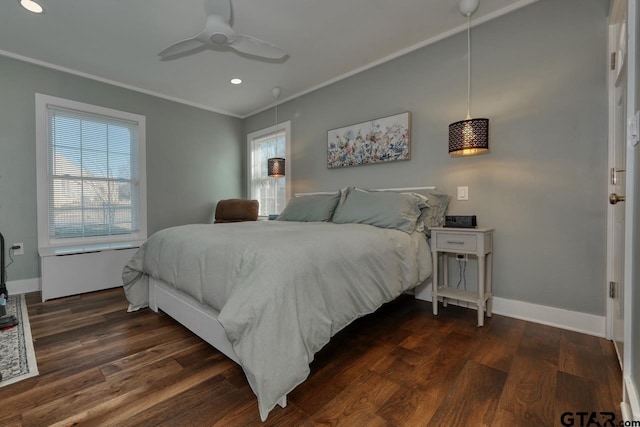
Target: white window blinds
<point x="92" y="176"/>
<point x="271" y="193"/>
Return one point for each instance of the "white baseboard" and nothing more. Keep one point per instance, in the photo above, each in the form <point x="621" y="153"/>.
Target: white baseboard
<point x="631" y="405"/>
<point x="552" y="316"/>
<point x="23" y="286"/>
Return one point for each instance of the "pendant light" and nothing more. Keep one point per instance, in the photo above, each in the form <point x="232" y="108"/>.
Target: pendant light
<point x="469" y="136"/>
<point x="275" y="165"/>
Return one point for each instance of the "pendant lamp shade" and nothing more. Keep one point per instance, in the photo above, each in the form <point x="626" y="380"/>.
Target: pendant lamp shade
<point x="469" y="137"/>
<point x="275" y="167"/>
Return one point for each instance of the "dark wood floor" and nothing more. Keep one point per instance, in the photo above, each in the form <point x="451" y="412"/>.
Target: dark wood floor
<point x="401" y="366"/>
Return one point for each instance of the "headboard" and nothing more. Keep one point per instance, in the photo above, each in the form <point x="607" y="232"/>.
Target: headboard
<point x="427" y="188"/>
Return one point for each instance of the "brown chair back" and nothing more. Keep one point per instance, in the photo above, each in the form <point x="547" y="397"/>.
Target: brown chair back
<point x="236" y="210"/>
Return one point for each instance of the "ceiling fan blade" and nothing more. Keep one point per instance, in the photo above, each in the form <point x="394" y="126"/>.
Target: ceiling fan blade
<point x="181" y="47"/>
<point x="218" y="7"/>
<point x="256" y="47"/>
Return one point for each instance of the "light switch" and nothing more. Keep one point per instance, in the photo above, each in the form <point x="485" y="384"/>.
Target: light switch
<point x="463" y="193"/>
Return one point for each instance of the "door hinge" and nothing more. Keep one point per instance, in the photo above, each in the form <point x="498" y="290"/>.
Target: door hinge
<point x="612" y="289"/>
<point x="613" y="61"/>
<point x="634" y="130"/>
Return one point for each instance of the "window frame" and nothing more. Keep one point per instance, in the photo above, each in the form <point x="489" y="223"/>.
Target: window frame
<point x="251" y="137"/>
<point x="45" y="241"/>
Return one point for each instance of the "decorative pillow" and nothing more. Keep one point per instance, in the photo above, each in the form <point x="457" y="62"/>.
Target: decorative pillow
<point x="311" y="208"/>
<point x="434" y="215"/>
<point x="384" y="209"/>
<point x="424" y="207"/>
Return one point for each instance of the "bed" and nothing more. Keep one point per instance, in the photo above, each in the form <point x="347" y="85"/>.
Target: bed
<point x="270" y="294"/>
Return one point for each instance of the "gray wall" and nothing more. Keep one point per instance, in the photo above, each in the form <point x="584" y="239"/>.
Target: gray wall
<point x="539" y="75"/>
<point x="194" y="157"/>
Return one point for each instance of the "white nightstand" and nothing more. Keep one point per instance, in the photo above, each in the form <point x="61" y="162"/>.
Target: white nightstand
<point x="473" y="241"/>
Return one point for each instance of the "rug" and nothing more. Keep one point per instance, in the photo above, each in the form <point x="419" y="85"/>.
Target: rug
<point x="17" y="357"/>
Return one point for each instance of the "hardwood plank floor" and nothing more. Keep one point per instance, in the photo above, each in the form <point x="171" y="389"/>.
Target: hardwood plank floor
<point x="400" y="366"/>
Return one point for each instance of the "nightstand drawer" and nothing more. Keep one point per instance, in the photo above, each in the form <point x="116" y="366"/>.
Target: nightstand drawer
<point x="456" y="241"/>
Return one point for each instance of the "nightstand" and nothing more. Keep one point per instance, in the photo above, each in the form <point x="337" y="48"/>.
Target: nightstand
<point x="473" y="241"/>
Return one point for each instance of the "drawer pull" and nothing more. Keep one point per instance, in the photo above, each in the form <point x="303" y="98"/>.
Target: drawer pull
<point x="455" y="242"/>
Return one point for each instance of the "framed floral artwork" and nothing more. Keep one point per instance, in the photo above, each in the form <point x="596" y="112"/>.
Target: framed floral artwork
<point x="386" y="139"/>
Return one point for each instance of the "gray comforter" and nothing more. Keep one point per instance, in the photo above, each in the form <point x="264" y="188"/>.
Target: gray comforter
<point x="283" y="289"/>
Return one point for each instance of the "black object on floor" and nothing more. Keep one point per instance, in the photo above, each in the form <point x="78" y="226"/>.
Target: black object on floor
<point x="3" y="273"/>
<point x="6" y="322"/>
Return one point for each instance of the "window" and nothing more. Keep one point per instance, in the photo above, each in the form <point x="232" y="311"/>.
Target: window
<point x="271" y="193"/>
<point x="91" y="174"/>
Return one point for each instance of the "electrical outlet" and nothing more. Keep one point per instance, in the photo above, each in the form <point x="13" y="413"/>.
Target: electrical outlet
<point x="20" y="250"/>
<point x="461" y="257"/>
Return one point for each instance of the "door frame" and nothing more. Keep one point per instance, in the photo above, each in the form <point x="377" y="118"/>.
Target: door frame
<point x="616" y="9"/>
<point x="631" y="401"/>
<point x="630" y="404"/>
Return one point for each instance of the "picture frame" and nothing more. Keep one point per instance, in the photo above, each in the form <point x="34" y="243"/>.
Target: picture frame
<point x="382" y="140"/>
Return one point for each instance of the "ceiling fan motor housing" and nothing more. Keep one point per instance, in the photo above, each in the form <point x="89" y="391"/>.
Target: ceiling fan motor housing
<point x="219" y="38"/>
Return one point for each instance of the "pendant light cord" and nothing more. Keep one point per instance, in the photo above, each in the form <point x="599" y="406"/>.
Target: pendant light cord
<point x="468" y="66"/>
<point x="275" y="149"/>
<point x="276" y="97"/>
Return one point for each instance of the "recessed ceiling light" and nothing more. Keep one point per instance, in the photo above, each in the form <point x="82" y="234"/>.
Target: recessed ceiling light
<point x="235" y="81"/>
<point x="31" y="6"/>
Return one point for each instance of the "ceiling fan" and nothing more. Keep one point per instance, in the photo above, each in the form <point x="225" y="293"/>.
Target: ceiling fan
<point x="218" y="33"/>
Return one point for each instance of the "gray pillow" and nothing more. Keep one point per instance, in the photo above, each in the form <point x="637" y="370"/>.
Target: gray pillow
<point x="434" y="215"/>
<point x="311" y="208"/>
<point x="382" y="209"/>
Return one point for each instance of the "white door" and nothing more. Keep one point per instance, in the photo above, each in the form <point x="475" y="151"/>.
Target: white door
<point x="617" y="175"/>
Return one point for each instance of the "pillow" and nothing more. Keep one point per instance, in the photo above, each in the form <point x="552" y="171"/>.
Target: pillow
<point x="384" y="209"/>
<point x="424" y="208"/>
<point x="311" y="208"/>
<point x="434" y="215"/>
